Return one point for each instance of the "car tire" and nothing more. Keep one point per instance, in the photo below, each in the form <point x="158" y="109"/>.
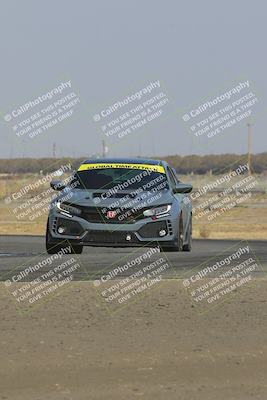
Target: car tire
<point x="188" y="246"/>
<point x="76" y="249"/>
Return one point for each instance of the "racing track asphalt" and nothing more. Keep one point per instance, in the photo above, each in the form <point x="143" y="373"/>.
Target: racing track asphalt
<point x="18" y="252"/>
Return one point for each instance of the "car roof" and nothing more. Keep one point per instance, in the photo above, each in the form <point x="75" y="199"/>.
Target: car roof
<point x="124" y="160"/>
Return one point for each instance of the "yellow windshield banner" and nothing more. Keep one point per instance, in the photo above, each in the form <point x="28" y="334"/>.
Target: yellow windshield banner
<point x="154" y="168"/>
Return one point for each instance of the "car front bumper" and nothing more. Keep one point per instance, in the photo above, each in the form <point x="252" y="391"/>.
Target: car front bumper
<point x="140" y="233"/>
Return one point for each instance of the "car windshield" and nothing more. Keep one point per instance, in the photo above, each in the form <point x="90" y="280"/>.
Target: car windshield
<point x="119" y="178"/>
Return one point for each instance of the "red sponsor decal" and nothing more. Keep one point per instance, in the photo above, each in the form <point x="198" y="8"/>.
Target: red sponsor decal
<point x="111" y="214"/>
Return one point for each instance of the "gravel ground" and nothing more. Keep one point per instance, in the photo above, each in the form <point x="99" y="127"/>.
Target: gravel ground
<point x="160" y="347"/>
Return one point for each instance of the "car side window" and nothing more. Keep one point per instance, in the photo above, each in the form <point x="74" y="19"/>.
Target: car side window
<point x="173" y="183"/>
<point x="175" y="176"/>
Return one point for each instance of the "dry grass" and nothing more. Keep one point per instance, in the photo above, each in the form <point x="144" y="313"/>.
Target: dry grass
<point x="10" y="225"/>
<point x="204" y="232"/>
<point x="238" y="223"/>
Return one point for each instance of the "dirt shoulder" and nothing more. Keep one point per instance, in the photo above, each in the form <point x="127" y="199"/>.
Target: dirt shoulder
<point x="158" y="348"/>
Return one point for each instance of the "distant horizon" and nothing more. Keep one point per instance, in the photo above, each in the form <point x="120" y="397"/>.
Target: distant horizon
<point x="137" y="156"/>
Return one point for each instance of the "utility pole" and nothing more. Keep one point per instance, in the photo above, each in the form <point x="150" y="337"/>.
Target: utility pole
<point x="104" y="149"/>
<point x="249" y="125"/>
<point x="54" y="150"/>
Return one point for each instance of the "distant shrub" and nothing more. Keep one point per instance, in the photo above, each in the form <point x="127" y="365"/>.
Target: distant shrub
<point x="204" y="232"/>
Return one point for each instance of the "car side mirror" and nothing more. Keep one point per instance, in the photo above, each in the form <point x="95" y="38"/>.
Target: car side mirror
<point x="57" y="185"/>
<point x="183" y="188"/>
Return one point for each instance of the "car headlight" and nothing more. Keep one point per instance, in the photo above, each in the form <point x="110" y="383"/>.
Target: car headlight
<point x="157" y="211"/>
<point x="68" y="209"/>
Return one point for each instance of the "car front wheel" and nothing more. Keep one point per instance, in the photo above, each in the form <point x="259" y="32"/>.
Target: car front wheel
<point x="188" y="246"/>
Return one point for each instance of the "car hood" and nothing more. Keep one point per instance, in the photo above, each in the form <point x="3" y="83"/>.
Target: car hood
<point x="90" y="198"/>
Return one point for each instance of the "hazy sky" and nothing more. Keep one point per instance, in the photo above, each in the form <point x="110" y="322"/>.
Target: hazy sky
<point x="114" y="48"/>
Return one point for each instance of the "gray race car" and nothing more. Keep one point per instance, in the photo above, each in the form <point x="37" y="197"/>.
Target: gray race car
<point x="120" y="203"/>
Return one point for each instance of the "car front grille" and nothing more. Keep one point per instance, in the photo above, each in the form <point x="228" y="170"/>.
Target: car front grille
<point x="109" y="237"/>
<point x="98" y="215"/>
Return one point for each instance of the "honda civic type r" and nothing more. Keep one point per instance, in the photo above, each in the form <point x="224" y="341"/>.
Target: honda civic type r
<point x="120" y="203"/>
